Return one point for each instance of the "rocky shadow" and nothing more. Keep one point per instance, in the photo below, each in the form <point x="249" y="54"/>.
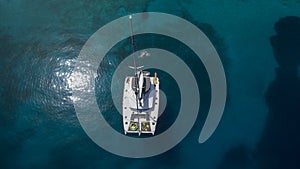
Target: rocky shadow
<point x="279" y="145"/>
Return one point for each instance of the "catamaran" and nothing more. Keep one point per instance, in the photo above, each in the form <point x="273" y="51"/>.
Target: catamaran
<point x="140" y="98"/>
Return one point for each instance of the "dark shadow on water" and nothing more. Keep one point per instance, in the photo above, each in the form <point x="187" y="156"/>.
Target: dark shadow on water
<point x="279" y="145"/>
<point x="237" y="157"/>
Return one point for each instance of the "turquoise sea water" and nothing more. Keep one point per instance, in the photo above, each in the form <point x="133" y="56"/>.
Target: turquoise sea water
<point x="40" y="42"/>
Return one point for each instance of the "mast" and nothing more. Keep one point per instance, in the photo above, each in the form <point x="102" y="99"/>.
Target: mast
<point x="132" y="44"/>
<point x="134" y="61"/>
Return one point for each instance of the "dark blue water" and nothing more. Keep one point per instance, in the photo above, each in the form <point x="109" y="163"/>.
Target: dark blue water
<point x="257" y="43"/>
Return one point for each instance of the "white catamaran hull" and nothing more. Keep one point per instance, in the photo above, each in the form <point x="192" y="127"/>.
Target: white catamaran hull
<point x="140" y="117"/>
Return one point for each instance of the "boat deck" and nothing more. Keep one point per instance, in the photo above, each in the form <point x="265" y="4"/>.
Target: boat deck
<point x="136" y="118"/>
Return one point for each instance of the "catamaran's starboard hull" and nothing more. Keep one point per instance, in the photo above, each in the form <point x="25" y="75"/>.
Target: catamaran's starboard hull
<point x="140" y="118"/>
